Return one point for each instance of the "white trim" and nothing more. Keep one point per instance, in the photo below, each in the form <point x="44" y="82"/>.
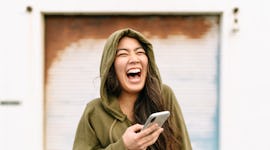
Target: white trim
<point x="37" y="72"/>
<point x="138" y="6"/>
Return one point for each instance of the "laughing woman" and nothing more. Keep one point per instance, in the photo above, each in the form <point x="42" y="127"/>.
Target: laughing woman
<point x="130" y="90"/>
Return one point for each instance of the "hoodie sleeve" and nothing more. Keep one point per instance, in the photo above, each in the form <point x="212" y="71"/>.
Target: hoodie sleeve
<point x="177" y="116"/>
<point x="86" y="139"/>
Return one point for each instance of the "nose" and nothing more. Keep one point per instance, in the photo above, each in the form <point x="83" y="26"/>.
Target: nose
<point x="134" y="58"/>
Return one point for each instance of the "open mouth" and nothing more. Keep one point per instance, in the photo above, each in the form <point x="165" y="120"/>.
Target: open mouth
<point x="133" y="73"/>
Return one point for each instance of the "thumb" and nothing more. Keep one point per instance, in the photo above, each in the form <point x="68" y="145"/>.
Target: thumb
<point x="136" y="127"/>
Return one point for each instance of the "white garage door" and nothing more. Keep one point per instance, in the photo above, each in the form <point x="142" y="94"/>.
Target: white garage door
<point x="187" y="52"/>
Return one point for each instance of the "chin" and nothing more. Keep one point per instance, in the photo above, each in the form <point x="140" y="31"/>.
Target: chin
<point x="135" y="89"/>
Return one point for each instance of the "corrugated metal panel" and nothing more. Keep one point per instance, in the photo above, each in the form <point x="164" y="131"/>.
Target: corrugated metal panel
<point x="186" y="49"/>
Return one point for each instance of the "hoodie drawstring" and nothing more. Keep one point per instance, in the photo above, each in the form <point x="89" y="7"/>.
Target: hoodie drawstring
<point x="111" y="129"/>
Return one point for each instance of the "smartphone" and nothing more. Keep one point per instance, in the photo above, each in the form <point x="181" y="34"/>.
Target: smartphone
<point x="158" y="117"/>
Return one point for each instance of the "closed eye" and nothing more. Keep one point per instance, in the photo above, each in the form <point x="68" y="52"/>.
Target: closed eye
<point x="140" y="51"/>
<point x="121" y="53"/>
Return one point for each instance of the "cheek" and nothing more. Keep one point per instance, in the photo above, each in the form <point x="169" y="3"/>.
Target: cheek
<point x="145" y="63"/>
<point x="119" y="67"/>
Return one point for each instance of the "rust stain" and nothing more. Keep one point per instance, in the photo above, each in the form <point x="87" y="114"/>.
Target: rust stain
<point x="61" y="30"/>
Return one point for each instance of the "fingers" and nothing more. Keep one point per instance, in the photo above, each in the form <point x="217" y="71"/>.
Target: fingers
<point x="151" y="138"/>
<point x="130" y="137"/>
<point x="150" y="135"/>
<point x="148" y="130"/>
<point x="141" y="140"/>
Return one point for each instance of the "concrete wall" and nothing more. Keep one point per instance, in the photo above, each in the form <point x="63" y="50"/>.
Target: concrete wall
<point x="245" y="83"/>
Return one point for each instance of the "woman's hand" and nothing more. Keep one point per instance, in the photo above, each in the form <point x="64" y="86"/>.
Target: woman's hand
<point x="134" y="139"/>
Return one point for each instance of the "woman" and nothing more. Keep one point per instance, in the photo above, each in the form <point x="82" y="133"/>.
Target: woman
<point x="130" y="90"/>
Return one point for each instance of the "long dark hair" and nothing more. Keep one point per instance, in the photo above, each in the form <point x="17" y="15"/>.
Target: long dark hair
<point x="150" y="100"/>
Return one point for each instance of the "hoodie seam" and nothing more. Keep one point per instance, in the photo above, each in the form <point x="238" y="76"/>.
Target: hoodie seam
<point x="111" y="129"/>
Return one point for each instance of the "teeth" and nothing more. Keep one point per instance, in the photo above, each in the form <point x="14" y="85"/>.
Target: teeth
<point x="134" y="71"/>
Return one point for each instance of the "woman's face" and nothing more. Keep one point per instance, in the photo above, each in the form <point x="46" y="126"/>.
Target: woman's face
<point x="131" y="65"/>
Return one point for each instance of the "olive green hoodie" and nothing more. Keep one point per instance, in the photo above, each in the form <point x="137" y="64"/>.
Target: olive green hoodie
<point x="103" y="123"/>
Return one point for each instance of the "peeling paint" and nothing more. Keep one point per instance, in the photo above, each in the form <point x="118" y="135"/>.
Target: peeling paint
<point x="62" y="30"/>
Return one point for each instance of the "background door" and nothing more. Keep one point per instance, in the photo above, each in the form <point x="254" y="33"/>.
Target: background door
<point x="187" y="53"/>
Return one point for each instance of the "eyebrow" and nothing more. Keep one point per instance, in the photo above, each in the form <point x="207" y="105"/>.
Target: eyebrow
<point x="128" y="49"/>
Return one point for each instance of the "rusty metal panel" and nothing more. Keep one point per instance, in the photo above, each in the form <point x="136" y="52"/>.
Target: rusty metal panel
<point x="186" y="49"/>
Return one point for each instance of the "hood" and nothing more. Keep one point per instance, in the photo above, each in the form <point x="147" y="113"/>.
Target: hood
<point x="110" y="103"/>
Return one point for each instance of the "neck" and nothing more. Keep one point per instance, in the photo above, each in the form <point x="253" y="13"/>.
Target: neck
<point x="127" y="102"/>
